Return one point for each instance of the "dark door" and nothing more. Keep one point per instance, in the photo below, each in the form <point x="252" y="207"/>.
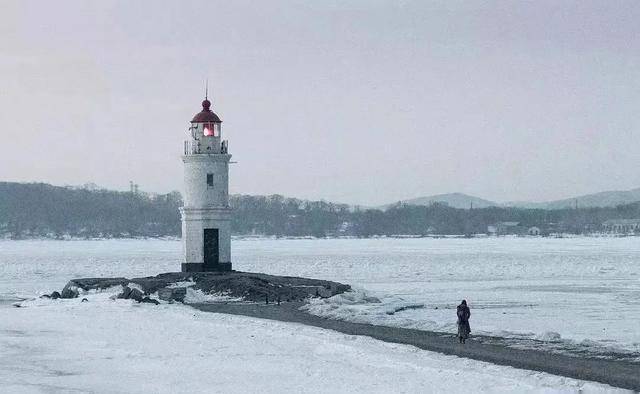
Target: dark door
<point x="211" y="251"/>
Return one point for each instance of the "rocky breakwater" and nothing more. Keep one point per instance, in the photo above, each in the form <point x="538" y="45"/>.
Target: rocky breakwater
<point x="245" y="286"/>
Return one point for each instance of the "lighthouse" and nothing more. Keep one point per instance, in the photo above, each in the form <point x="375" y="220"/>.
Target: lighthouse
<point x="206" y="215"/>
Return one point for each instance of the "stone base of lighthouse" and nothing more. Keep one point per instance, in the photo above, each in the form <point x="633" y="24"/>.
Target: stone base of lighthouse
<point x="206" y="239"/>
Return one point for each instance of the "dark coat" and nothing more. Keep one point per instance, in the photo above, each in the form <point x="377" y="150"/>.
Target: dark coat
<point x="464" y="313"/>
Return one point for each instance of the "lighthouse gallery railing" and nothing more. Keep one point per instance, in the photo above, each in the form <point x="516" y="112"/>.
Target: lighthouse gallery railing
<point x="194" y="148"/>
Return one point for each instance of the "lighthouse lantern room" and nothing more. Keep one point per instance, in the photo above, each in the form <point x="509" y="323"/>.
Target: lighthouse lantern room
<point x="206" y="215"/>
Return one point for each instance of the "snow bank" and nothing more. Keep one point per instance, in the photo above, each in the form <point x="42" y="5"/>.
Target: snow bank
<point x="124" y="347"/>
<point x="379" y="308"/>
<point x="196" y="296"/>
<point x="549" y="336"/>
<point x="135" y="286"/>
<point x="362" y="306"/>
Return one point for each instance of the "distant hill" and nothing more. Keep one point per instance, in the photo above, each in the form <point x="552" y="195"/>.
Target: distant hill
<point x="33" y="210"/>
<point x="454" y="200"/>
<point x="43" y="210"/>
<point x="463" y="201"/>
<point x="601" y="199"/>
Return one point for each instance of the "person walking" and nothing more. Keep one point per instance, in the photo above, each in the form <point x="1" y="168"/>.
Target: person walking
<point x="464" y="329"/>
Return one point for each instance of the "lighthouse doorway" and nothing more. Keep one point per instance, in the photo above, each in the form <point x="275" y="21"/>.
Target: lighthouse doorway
<point x="211" y="247"/>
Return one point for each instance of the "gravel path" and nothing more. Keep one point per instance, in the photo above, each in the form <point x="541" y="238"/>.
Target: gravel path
<point x="619" y="373"/>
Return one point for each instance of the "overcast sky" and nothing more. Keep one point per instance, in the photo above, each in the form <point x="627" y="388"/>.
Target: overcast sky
<point x="362" y="102"/>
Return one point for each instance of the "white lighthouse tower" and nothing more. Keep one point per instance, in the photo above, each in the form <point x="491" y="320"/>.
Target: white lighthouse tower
<point x="206" y="215"/>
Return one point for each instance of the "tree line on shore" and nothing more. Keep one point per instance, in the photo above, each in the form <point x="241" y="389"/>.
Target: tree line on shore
<point x="42" y="210"/>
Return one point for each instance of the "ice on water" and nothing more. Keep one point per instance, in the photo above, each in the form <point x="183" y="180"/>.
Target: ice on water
<point x="583" y="290"/>
<point x="586" y="289"/>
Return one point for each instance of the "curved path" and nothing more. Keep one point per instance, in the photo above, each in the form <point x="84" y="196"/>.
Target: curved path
<point x="619" y="373"/>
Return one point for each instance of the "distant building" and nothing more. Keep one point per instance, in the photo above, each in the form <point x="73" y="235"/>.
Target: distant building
<point x="621" y="226"/>
<point x="506" y="228"/>
<point x="345" y="228"/>
<point x="533" y="231"/>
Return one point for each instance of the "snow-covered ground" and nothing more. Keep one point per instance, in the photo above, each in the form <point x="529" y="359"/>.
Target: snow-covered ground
<point x="578" y="290"/>
<point x="122" y="347"/>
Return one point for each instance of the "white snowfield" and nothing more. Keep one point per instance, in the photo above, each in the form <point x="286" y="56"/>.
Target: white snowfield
<point x="106" y="346"/>
<point x="570" y="292"/>
<point x="583" y="291"/>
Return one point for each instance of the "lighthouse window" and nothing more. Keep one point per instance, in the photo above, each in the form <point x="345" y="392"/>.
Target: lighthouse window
<point x="209" y="180"/>
<point x="211" y="130"/>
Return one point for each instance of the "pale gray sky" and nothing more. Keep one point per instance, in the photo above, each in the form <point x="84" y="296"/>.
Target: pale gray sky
<point x="362" y="102"/>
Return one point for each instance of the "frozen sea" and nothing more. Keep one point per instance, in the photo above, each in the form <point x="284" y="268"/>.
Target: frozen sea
<point x="581" y="292"/>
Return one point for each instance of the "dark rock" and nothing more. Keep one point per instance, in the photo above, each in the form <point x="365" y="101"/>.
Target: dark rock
<point x="45" y="296"/>
<point x="97" y="283"/>
<point x="254" y="287"/>
<point x="131" y="293"/>
<point x="69" y="291"/>
<point x="55" y="295"/>
<point x="172" y="294"/>
<point x="136" y="295"/>
<point x="323" y="292"/>
<point x="84" y="300"/>
<point x="126" y="293"/>
<point x="73" y="287"/>
<point x="257" y="287"/>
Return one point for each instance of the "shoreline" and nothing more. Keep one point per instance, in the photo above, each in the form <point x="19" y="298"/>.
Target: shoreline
<point x="618" y="373"/>
<point x="310" y="237"/>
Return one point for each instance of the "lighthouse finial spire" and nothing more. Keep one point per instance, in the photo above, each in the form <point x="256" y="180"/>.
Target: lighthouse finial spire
<point x="206" y="89"/>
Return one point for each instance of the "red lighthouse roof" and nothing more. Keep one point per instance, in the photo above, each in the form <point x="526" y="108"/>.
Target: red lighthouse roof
<point x="206" y="115"/>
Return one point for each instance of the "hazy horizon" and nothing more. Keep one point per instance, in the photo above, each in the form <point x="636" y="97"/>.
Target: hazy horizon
<point x="360" y="102"/>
